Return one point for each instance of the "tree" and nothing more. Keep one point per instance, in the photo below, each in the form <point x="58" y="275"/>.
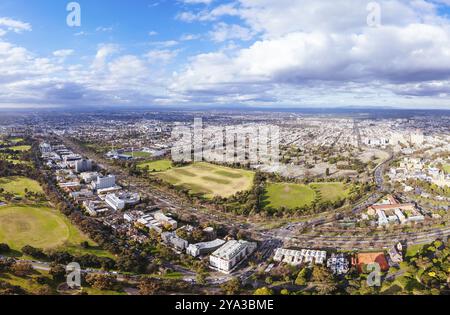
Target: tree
<point x="58" y="272"/>
<point x="101" y="282"/>
<point x="232" y="287"/>
<point x="302" y="278"/>
<point x="285" y="292"/>
<point x="22" y="269"/>
<point x="149" y="287"/>
<point x="201" y="278"/>
<point x="34" y="252"/>
<point x="263" y="291"/>
<point x="4" y="248"/>
<point x="322" y="274"/>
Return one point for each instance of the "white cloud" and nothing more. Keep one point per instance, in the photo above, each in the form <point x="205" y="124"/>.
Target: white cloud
<point x="223" y="32"/>
<point x="104" y="29"/>
<point x="228" y="9"/>
<point x="314" y="53"/>
<point x="103" y="52"/>
<point x="63" y="53"/>
<point x="161" y="55"/>
<point x="322" y="46"/>
<point x="11" y="25"/>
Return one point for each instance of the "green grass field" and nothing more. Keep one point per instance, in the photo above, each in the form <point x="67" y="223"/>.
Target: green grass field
<point x="209" y="180"/>
<point x="39" y="225"/>
<point x="12" y="159"/>
<point x="331" y="191"/>
<point x="446" y="168"/>
<point x="17" y="185"/>
<point x="290" y="196"/>
<point x="156" y="166"/>
<point x="42" y="227"/>
<point x="20" y="148"/>
<point x="139" y="154"/>
<point x="15" y="140"/>
<point x="293" y="196"/>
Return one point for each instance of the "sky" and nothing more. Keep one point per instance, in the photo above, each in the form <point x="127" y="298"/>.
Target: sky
<point x="259" y="53"/>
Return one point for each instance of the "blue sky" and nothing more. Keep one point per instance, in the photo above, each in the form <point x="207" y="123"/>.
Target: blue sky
<point x="286" y="53"/>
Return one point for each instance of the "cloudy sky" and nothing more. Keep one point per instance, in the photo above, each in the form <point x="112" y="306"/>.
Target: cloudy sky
<point x="273" y="53"/>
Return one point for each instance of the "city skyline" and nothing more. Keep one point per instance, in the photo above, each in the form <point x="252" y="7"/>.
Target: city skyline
<point x="209" y="53"/>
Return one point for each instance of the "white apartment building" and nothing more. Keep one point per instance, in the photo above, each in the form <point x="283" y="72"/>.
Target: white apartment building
<point x="299" y="257"/>
<point x="230" y="255"/>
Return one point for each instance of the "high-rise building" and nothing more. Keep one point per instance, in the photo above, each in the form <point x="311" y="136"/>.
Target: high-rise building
<point x="83" y="166"/>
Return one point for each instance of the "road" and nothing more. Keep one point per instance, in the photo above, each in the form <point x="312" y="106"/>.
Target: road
<point x="288" y="233"/>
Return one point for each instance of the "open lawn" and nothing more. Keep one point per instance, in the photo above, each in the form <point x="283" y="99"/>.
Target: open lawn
<point x="331" y="191"/>
<point x="156" y="166"/>
<point x="17" y="185"/>
<point x="21" y="148"/>
<point x="209" y="180"/>
<point x="15" y="140"/>
<point x="287" y="195"/>
<point x="42" y="227"/>
<point x="139" y="154"/>
<point x="293" y="196"/>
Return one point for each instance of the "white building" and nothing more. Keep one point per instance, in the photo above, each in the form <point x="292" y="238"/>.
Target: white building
<point x="45" y="148"/>
<point x="338" y="264"/>
<point x="89" y="177"/>
<point x="165" y="220"/>
<point x="171" y="238"/>
<point x="83" y="166"/>
<point x="382" y="218"/>
<point x="105" y="182"/>
<point x="230" y="255"/>
<point x="400" y="215"/>
<point x="299" y="257"/>
<point x="199" y="249"/>
<point x="115" y="202"/>
<point x="120" y="201"/>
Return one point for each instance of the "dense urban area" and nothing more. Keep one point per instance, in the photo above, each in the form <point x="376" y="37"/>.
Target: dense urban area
<point x="353" y="192"/>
